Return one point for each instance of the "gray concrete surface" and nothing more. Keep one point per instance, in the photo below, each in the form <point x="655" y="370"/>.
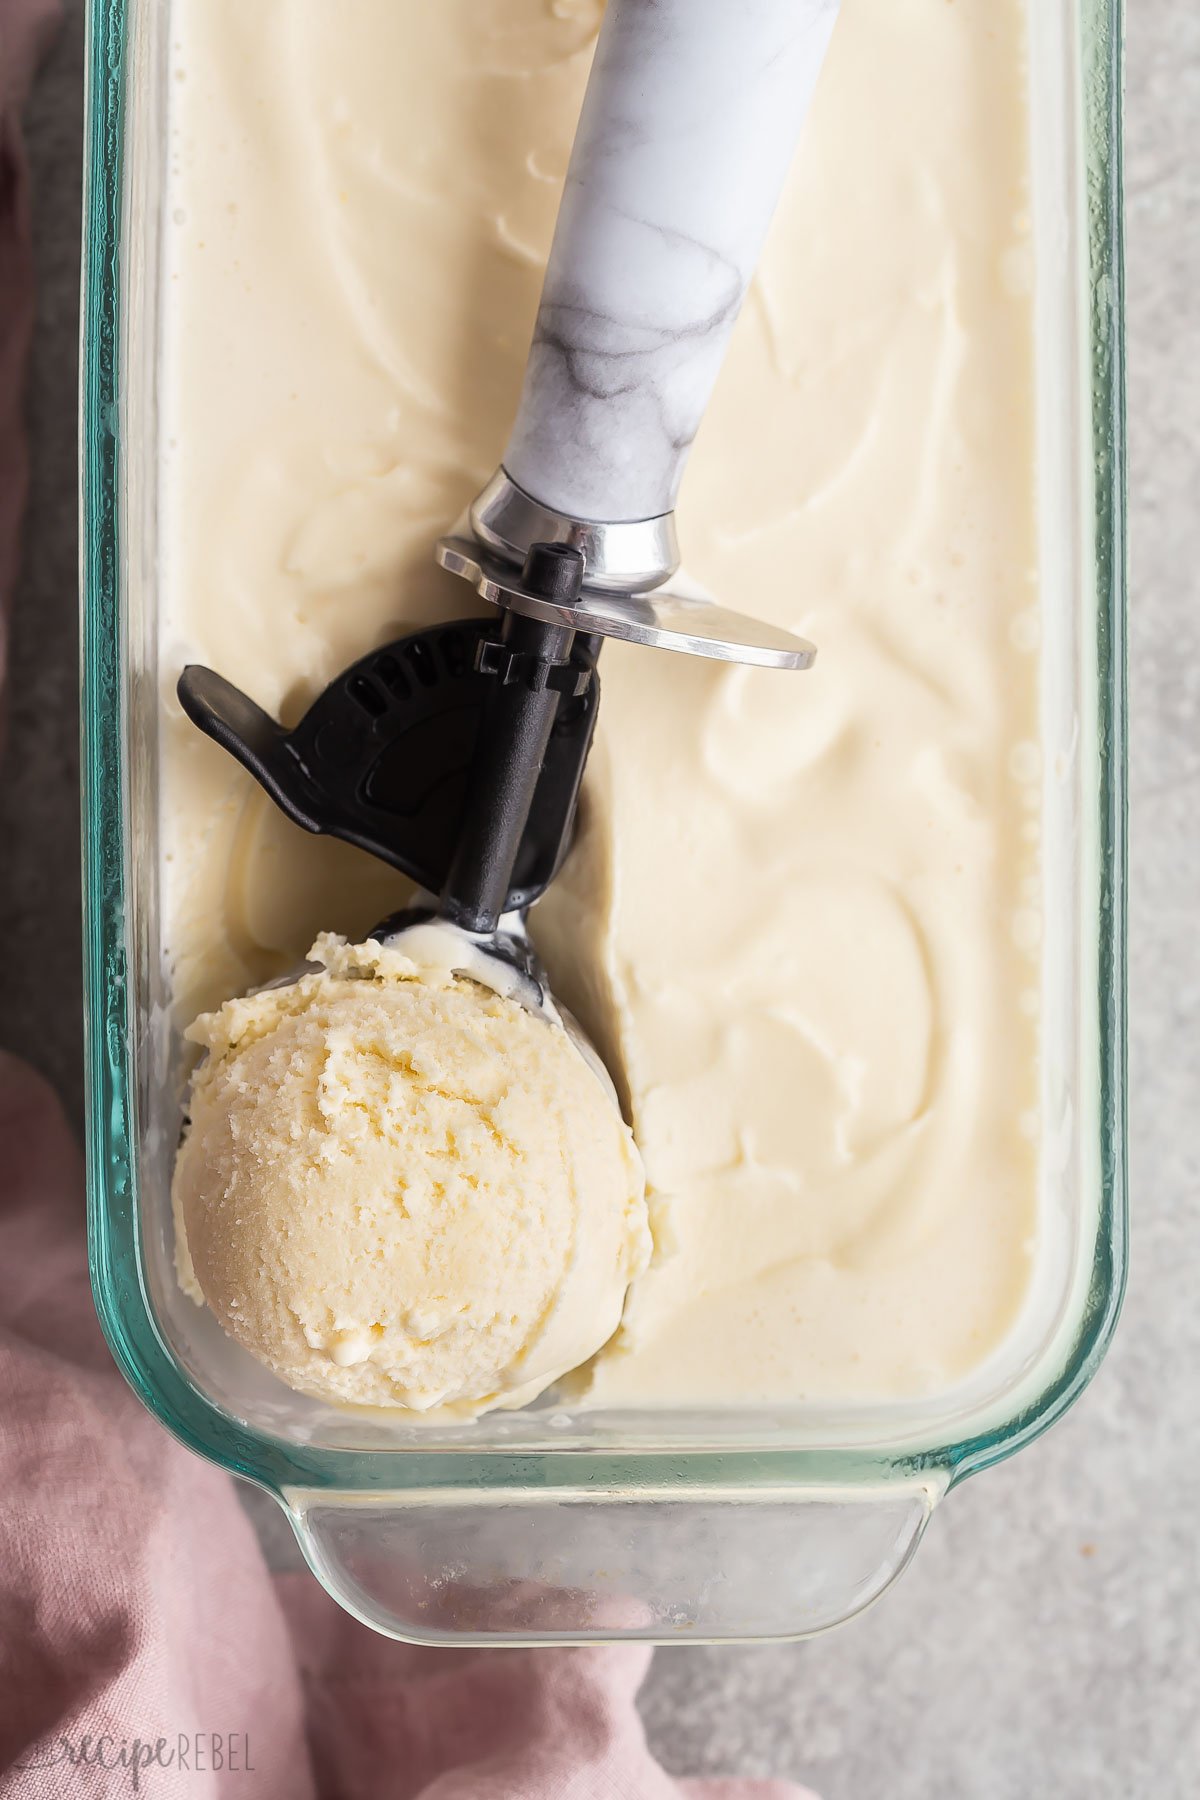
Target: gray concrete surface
<point x="1046" y="1641"/>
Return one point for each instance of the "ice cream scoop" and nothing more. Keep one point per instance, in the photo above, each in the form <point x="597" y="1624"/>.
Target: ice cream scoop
<point x="456" y="754"/>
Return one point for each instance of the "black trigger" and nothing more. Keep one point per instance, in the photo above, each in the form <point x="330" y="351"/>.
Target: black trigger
<point x="380" y="759"/>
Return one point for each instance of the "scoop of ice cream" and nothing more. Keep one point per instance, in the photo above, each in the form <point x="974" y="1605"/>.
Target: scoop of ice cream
<point x="401" y="1188"/>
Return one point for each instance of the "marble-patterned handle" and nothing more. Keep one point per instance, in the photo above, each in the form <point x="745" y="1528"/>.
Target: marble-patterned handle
<point x="690" y="121"/>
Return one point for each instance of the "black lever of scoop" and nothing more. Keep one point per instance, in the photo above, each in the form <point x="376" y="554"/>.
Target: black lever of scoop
<point x="455" y="754"/>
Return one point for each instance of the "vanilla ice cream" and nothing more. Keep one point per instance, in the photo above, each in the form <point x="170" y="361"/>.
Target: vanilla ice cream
<point x="802" y="917"/>
<point x="398" y="1187"/>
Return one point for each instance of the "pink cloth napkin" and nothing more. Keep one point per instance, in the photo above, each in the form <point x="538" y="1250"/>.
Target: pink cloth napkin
<point x="143" y="1644"/>
<point x="25" y="26"/>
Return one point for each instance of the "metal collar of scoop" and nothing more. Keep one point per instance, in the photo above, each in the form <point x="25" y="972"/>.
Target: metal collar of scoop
<point x="665" y="619"/>
<point x="623" y="558"/>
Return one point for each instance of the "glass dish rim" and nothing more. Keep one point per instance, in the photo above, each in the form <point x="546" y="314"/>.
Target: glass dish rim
<point x="118" y="1278"/>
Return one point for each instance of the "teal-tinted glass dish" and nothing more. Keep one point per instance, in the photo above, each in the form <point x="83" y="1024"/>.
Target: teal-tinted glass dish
<point x="542" y="1526"/>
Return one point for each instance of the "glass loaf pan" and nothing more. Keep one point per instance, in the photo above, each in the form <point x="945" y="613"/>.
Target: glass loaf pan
<point x="539" y="1526"/>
